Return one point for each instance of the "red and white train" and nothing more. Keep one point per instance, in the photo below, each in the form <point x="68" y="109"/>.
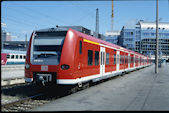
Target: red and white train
<point x="12" y="57"/>
<point x="69" y="57"/>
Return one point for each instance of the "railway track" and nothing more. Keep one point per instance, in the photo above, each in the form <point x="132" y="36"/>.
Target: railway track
<point x="25" y="104"/>
<point x="20" y="105"/>
<point x="44" y="96"/>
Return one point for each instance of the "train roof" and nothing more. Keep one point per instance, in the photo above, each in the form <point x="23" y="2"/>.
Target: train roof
<point x="13" y="51"/>
<point x="88" y="37"/>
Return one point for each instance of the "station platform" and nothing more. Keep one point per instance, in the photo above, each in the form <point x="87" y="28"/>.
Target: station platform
<point x="12" y="71"/>
<point x="141" y="90"/>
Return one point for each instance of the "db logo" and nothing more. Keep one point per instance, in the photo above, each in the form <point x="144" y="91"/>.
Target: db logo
<point x="44" y="68"/>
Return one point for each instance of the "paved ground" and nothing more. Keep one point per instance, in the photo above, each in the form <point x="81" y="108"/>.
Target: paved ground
<point x="139" y="90"/>
<point x="12" y="71"/>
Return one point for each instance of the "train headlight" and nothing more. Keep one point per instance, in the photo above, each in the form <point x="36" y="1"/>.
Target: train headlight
<point x="27" y="66"/>
<point x="65" y="66"/>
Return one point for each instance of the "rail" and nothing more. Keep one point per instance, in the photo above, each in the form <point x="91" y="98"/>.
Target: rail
<point x="12" y="106"/>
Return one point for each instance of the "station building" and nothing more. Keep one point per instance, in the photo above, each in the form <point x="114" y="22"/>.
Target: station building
<point x="9" y="44"/>
<point x="141" y="37"/>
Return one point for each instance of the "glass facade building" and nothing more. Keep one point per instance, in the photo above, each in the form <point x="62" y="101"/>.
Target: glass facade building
<point x="112" y="37"/>
<point x="142" y="38"/>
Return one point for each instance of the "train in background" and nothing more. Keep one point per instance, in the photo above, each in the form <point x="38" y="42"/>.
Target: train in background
<point x="12" y="57"/>
<point x="69" y="57"/>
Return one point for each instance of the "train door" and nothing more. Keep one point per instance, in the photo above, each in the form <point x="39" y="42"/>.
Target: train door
<point x="117" y="62"/>
<point x="126" y="61"/>
<point x="102" y="61"/>
<point x="80" y="58"/>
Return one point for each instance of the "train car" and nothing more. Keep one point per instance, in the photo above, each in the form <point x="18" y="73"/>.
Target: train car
<point x="70" y="57"/>
<point x="12" y="57"/>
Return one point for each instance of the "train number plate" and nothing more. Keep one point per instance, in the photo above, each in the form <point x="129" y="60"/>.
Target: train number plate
<point x="44" y="68"/>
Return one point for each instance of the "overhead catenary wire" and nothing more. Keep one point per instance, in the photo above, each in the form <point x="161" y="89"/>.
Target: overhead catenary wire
<point x="43" y="14"/>
<point x="91" y="14"/>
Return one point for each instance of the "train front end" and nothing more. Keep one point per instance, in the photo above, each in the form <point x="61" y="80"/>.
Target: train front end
<point x="43" y="56"/>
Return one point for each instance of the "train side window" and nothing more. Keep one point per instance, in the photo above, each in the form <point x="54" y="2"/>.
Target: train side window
<point x="8" y="56"/>
<point x="126" y="59"/>
<point x="20" y="57"/>
<point x="16" y="56"/>
<point x="114" y="58"/>
<point x="107" y="58"/>
<point x="123" y="58"/>
<point x="24" y="56"/>
<point x="90" y="57"/>
<point x="96" y="58"/>
<point x="120" y="59"/>
<point x="80" y="47"/>
<point x="12" y="56"/>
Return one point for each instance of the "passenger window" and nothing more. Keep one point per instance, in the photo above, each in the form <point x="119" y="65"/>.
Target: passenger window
<point x="80" y="47"/>
<point x="12" y="56"/>
<point x="125" y="59"/>
<point x="90" y="57"/>
<point x="121" y="59"/>
<point x="129" y="59"/>
<point x="16" y="56"/>
<point x="20" y="57"/>
<point x="8" y="56"/>
<point x="24" y="57"/>
<point x="107" y="58"/>
<point x="96" y="58"/>
<point x="114" y="58"/>
<point x="132" y="59"/>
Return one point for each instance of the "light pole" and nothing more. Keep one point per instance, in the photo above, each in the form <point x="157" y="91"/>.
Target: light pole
<point x="156" y="56"/>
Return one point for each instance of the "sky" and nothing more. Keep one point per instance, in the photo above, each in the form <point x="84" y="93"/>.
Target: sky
<point x="21" y="18"/>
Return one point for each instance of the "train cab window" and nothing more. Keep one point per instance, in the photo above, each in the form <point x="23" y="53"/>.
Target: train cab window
<point x="16" y="56"/>
<point x="96" y="58"/>
<point x="114" y="58"/>
<point x="90" y="57"/>
<point x="8" y="56"/>
<point x="47" y="45"/>
<point x="107" y="58"/>
<point x="12" y="56"/>
<point x="80" y="47"/>
<point x="24" y="56"/>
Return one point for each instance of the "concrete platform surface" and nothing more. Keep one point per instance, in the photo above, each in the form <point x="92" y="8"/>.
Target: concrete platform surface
<point x="140" y="90"/>
<point x="12" y="71"/>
